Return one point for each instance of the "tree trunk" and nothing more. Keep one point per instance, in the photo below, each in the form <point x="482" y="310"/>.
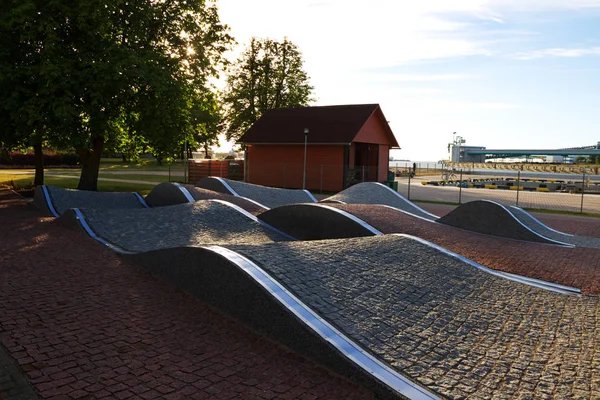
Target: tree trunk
<point x="39" y="164"/>
<point x="90" y="164"/>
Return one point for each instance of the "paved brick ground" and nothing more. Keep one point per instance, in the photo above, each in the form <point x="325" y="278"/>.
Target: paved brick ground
<point x="82" y="323"/>
<point x="576" y="267"/>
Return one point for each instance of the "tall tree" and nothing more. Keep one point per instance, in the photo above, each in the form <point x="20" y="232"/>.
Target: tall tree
<point x="268" y="74"/>
<point x="125" y="67"/>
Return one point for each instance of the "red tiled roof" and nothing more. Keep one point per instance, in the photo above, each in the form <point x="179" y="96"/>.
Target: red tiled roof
<point x="327" y="124"/>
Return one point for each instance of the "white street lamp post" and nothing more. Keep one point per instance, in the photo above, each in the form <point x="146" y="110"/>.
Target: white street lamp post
<point x="304" y="169"/>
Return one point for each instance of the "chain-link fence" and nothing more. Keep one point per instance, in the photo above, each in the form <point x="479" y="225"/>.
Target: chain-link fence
<point x="572" y="192"/>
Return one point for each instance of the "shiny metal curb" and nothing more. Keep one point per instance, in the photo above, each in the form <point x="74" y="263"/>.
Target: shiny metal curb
<point x="406" y="200"/>
<point x="49" y="201"/>
<point x="141" y="199"/>
<point x="93" y="235"/>
<point x="310" y="195"/>
<point x="528" y="228"/>
<point x="550" y="286"/>
<point x="325" y="330"/>
<point x="252" y="217"/>
<point x="233" y="192"/>
<point x="185" y="192"/>
<point x="349" y="216"/>
<point x="540" y="222"/>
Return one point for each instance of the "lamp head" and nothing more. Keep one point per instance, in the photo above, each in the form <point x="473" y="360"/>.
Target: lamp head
<point x="306" y="131"/>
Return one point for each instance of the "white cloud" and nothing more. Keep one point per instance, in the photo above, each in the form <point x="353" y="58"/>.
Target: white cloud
<point x="558" y="52"/>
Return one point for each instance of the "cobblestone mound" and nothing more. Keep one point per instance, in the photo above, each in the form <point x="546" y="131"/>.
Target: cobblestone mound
<point x="316" y="221"/>
<point x="376" y="193"/>
<point x="266" y="196"/>
<point x="449" y="327"/>
<point x="491" y="218"/>
<point x="537" y="226"/>
<point x="54" y="201"/>
<point x="571" y="267"/>
<point x="191" y="224"/>
<point x="169" y="193"/>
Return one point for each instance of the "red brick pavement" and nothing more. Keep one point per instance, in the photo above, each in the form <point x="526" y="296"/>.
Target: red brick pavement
<point x="578" y="267"/>
<point x="83" y="323"/>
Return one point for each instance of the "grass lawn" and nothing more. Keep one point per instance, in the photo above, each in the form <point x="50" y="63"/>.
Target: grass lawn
<point x="23" y="181"/>
<point x="115" y="164"/>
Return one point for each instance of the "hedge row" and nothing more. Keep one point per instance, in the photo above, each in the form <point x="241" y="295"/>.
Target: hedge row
<point x="23" y="159"/>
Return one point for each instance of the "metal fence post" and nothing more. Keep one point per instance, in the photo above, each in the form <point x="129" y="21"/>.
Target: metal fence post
<point x="518" y="185"/>
<point x="582" y="190"/>
<point x="408" y="195"/>
<point x="363" y="173"/>
<point x="460" y="188"/>
<point x="221" y="169"/>
<point x="284" y="166"/>
<point x="169" y="172"/>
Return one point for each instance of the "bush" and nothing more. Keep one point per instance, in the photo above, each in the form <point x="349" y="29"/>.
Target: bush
<point x="28" y="159"/>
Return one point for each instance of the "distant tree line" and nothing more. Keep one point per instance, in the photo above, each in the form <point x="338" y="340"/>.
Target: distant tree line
<point x="131" y="77"/>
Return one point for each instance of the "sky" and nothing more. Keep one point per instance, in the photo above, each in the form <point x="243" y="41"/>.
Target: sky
<point x="500" y="73"/>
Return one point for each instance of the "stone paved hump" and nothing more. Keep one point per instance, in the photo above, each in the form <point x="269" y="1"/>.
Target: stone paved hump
<point x="376" y="193"/>
<point x="54" y="200"/>
<point x="267" y="196"/>
<point x="170" y="193"/>
<point x="544" y="230"/>
<point x="205" y="194"/>
<point x="316" y="221"/>
<point x="457" y="330"/>
<point x="574" y="267"/>
<point x="492" y="218"/>
<point x="191" y="224"/>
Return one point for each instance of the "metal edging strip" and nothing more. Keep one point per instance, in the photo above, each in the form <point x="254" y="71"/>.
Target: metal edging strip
<point x="409" y="213"/>
<point x="141" y="199"/>
<point x="252" y="217"/>
<point x="325" y="330"/>
<point x="93" y="235"/>
<point x="310" y="195"/>
<point x="528" y="228"/>
<point x="227" y="186"/>
<point x="540" y="222"/>
<point x="186" y="193"/>
<point x="255" y="202"/>
<point x="349" y="216"/>
<point x="406" y="200"/>
<point x="49" y="201"/>
<point x="550" y="286"/>
<point x="332" y="201"/>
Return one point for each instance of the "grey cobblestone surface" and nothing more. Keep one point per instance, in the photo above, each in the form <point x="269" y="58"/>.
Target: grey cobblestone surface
<point x="64" y="199"/>
<point x="372" y="193"/>
<point x="457" y="330"/>
<point x="199" y="223"/>
<point x="537" y="226"/>
<point x="268" y="196"/>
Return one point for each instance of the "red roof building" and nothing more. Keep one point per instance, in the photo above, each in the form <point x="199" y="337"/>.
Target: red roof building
<point x="344" y="145"/>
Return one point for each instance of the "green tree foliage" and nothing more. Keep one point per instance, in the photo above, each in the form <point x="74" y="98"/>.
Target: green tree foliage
<point x="268" y="74"/>
<point x="127" y="73"/>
